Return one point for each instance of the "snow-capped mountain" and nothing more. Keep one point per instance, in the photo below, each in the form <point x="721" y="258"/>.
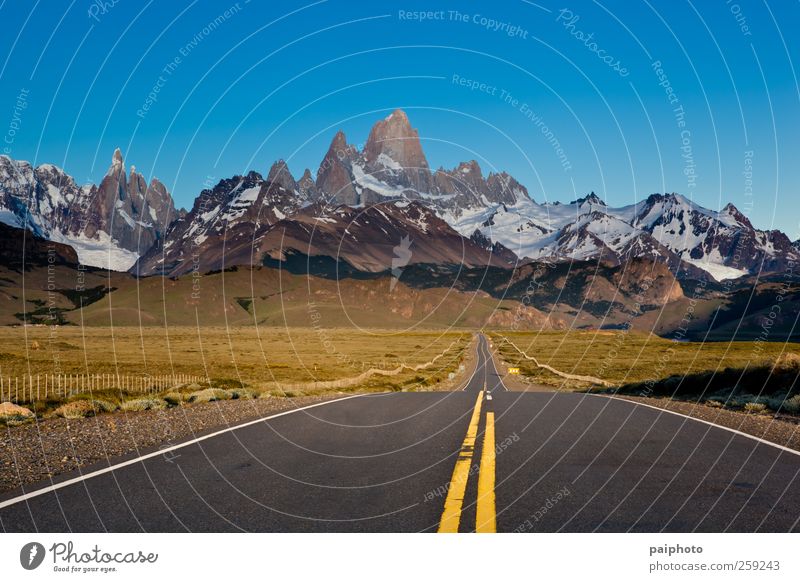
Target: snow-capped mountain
<point x="393" y="166"/>
<point x="478" y="219"/>
<point x="669" y="227"/>
<point x="250" y="220"/>
<point x="226" y="223"/>
<point x="689" y="238"/>
<point x="108" y="225"/>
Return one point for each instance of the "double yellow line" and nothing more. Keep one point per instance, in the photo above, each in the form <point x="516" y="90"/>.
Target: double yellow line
<point x="485" y="520"/>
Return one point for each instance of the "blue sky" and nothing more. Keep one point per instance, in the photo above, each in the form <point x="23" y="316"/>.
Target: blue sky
<point x="567" y="97"/>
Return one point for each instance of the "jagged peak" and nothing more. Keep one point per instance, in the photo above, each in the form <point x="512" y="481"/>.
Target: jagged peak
<point x="117" y="163"/>
<point x="50" y="168"/>
<point x="590" y="198"/>
<point x="398" y="114"/>
<point x="470" y="167"/>
<point x="339" y="140"/>
<point x="394" y="137"/>
<point x="731" y="210"/>
<point x="279" y="168"/>
<point x="280" y="174"/>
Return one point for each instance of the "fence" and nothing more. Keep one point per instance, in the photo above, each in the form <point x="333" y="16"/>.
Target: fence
<point x="43" y="386"/>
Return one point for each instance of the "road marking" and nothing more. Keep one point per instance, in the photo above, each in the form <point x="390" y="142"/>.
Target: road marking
<point x="451" y="516"/>
<point x="486" y="517"/>
<point x="488" y="396"/>
<point x="159" y="452"/>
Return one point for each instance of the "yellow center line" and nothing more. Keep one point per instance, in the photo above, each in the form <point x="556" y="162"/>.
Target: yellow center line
<point x="451" y="516"/>
<point x="485" y="520"/>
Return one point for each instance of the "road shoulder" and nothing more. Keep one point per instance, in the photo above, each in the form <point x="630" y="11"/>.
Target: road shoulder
<point x="34" y="452"/>
<point x="782" y="430"/>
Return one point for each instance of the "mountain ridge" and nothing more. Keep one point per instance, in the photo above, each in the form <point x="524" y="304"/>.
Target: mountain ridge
<point x="230" y="223"/>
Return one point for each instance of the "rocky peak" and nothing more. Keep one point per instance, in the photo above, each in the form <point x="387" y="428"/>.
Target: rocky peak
<point x="504" y="188"/>
<point x="592" y="199"/>
<point x="279" y="174"/>
<point x="137" y="185"/>
<point x="731" y="210"/>
<point x="307" y="187"/>
<point x="117" y="163"/>
<point x="469" y="172"/>
<point x="394" y="138"/>
<point x="334" y="177"/>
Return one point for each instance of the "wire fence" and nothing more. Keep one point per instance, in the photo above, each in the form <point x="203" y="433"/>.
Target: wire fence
<point x="35" y="387"/>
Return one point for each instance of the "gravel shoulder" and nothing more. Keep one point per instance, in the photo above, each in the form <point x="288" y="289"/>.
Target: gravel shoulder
<point x="781" y="429"/>
<point x="36" y="451"/>
<point x="44" y="449"/>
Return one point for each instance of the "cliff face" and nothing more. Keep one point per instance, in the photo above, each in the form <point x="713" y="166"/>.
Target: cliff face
<point x="108" y="225"/>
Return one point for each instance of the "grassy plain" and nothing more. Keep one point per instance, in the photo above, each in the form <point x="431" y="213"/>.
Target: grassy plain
<point x="279" y="361"/>
<point x="628" y="357"/>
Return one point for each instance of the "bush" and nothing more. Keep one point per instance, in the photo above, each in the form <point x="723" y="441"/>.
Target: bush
<point x="792" y="405"/>
<point x="75" y="409"/>
<point x="174" y="398"/>
<point x="139" y="404"/>
<point x="776" y="402"/>
<point x="714" y="404"/>
<point x="103" y="405"/>
<point x="788" y="362"/>
<point x="242" y="394"/>
<point x="12" y="414"/>
<point x="755" y="407"/>
<point x="226" y="383"/>
<point x="209" y="395"/>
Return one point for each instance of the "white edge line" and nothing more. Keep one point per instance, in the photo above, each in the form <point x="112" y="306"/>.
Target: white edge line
<point x="104" y="470"/>
<point x="733" y="430"/>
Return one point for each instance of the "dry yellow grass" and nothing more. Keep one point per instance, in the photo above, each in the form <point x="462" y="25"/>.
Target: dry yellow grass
<point x="242" y="355"/>
<point x="627" y="357"/>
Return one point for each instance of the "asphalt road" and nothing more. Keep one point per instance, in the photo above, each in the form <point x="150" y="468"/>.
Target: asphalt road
<point x="482" y="458"/>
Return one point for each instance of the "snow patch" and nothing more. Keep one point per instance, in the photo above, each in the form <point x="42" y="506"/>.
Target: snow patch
<point x="103" y="251"/>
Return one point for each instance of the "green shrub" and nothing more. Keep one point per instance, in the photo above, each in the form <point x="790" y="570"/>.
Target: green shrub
<point x="139" y="404"/>
<point x="792" y="405"/>
<point x="776" y="401"/>
<point x="209" y="395"/>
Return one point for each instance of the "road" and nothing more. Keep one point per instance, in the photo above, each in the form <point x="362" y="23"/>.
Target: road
<point x="482" y="459"/>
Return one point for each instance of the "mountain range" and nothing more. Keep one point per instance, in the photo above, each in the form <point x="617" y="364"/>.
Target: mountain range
<point x="353" y="213"/>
